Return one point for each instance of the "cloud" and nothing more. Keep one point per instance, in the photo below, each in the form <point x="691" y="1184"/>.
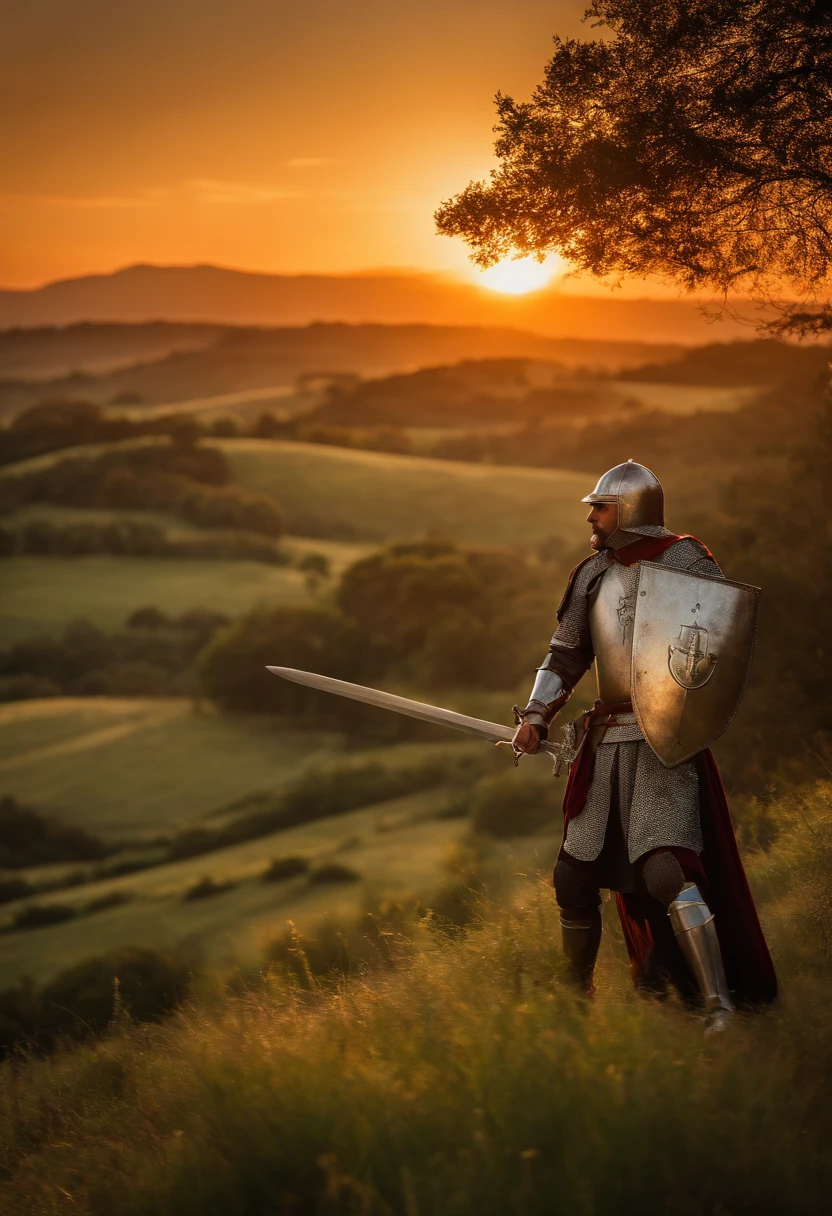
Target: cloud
<point x="202" y="191"/>
<point x="209" y="190"/>
<point x="306" y="162"/>
<point x="86" y="202"/>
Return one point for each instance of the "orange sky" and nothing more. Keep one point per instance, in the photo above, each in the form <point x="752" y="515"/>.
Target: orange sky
<point x="308" y="136"/>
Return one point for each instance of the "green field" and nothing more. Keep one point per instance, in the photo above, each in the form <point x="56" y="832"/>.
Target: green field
<point x="133" y="769"/>
<point x="42" y="594"/>
<point x="373" y="496"/>
<point x="684" y="399"/>
<point x="399" y="849"/>
<point x="340" y="554"/>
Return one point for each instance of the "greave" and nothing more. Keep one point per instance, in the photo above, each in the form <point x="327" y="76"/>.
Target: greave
<point x="693" y="924"/>
<point x="580" y="945"/>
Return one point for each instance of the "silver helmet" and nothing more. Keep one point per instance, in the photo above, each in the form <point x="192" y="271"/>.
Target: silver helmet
<point x="639" y="495"/>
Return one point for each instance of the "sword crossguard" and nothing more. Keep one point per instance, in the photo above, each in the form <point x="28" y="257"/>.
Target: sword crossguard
<point x="518" y="751"/>
<point x="519" y="719"/>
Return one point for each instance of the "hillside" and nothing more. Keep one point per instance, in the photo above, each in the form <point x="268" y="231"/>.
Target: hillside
<point x="215" y="294"/>
<point x="171" y="364"/>
<point x="371" y="496"/>
<point x="137" y="770"/>
<point x="141" y="774"/>
<point x="453" y="1073"/>
<point x="41" y="595"/>
<point x="49" y="352"/>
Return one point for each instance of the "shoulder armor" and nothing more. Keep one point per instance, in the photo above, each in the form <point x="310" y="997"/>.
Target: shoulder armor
<point x="686" y="552"/>
<point x="583" y="573"/>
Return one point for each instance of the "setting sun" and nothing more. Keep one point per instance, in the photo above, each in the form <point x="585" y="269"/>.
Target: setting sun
<point x="516" y="276"/>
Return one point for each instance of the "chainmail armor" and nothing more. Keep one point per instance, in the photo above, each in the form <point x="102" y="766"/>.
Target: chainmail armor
<point x="659" y="806"/>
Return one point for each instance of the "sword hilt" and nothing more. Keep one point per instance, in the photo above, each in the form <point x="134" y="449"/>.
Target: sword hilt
<point x="519" y="719"/>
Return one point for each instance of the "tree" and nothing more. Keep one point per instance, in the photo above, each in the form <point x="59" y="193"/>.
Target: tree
<point x="692" y="140"/>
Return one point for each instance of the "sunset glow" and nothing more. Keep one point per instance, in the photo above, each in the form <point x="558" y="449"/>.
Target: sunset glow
<point x="517" y="276"/>
<point x="254" y="148"/>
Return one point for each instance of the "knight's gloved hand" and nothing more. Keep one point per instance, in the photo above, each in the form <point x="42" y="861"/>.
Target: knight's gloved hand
<point x="527" y="738"/>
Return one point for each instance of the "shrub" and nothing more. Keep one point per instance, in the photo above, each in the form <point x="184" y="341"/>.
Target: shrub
<point x="35" y="916"/>
<point x="398" y="594"/>
<point x="27" y="687"/>
<point x="113" y="899"/>
<point x="282" y="868"/>
<point x="233" y="667"/>
<point x="14" y="888"/>
<point x="149" y="618"/>
<point x="315" y="563"/>
<point x="82" y="1000"/>
<point x="205" y="888"/>
<point x="30" y="839"/>
<point x="333" y="871"/>
<point x="136" y="679"/>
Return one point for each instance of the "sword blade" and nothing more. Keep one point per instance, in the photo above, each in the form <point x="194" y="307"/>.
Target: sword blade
<point x="493" y="731"/>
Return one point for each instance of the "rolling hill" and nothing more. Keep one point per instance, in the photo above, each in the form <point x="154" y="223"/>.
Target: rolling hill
<point x="169" y="366"/>
<point x="129" y="770"/>
<point x="216" y="294"/>
<point x="372" y="496"/>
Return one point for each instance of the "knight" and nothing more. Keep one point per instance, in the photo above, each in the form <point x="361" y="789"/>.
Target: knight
<point x="645" y="811"/>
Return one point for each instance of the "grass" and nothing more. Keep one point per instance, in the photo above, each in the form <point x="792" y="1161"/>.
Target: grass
<point x="136" y="769"/>
<point x="683" y="399"/>
<point x="41" y="595"/>
<point x="398" y="850"/>
<point x="463" y="1078"/>
<point x="372" y="496"/>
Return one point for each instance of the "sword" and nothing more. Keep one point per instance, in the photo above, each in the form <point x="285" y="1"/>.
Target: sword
<point x="492" y="731"/>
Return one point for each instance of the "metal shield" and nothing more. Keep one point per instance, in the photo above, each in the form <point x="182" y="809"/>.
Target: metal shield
<point x="693" y="640"/>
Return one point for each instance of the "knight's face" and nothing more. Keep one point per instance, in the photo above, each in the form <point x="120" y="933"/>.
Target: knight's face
<point x="603" y="519"/>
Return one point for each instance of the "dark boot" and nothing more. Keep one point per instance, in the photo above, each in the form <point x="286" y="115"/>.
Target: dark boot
<point x="581" y="939"/>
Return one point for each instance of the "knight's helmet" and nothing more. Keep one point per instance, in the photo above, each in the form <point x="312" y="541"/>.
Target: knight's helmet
<point x="639" y="495"/>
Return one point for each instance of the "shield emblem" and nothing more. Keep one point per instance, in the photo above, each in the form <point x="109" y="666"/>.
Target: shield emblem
<point x="693" y="640"/>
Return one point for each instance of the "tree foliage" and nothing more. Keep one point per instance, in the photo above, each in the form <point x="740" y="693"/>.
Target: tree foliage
<point x="691" y="140"/>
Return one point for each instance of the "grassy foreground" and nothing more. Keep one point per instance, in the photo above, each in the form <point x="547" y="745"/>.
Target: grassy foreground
<point x="463" y="1077"/>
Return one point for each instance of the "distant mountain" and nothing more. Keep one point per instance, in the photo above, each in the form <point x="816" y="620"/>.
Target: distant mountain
<point x="213" y="295"/>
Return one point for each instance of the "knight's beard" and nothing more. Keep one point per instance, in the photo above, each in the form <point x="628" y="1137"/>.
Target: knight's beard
<point x="598" y="540"/>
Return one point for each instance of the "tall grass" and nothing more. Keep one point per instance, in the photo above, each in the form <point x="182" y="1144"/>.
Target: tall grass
<point x="462" y="1077"/>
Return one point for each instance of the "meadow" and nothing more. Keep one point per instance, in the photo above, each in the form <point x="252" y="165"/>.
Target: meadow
<point x="41" y="595"/>
<point x="373" y="496"/>
<point x="136" y="771"/>
<point x="397" y="850"/>
<point x="459" y="1073"/>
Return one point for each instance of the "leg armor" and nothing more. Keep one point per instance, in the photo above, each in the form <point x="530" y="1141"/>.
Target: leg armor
<point x="693" y="924"/>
